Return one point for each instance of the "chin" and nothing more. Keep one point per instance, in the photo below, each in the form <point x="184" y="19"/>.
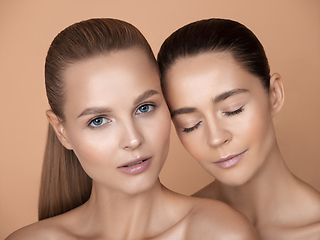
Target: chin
<point x="141" y="187"/>
<point x="233" y="182"/>
<point x="234" y="179"/>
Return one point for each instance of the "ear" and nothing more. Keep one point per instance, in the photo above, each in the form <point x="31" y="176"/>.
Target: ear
<point x="58" y="127"/>
<point x="276" y="94"/>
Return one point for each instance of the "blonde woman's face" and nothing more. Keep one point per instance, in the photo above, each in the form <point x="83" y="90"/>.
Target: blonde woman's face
<point x="117" y="121"/>
<point x="222" y="115"/>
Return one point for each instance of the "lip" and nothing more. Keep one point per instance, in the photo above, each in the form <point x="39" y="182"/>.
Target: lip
<point x="230" y="161"/>
<point x="136" y="165"/>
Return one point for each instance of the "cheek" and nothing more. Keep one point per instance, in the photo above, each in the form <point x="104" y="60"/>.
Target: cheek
<point x="95" y="151"/>
<point x="156" y="133"/>
<point x="193" y="143"/>
<point x="255" y="131"/>
<point x="93" y="145"/>
<point x="162" y="130"/>
<point x="256" y="125"/>
<point x="263" y="134"/>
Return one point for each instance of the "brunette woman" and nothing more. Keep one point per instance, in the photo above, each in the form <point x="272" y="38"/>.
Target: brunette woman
<point x="107" y="142"/>
<point x="216" y="80"/>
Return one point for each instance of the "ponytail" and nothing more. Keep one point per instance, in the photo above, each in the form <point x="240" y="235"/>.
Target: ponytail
<point x="64" y="183"/>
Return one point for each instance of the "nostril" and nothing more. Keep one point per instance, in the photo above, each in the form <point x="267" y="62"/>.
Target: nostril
<point x="218" y="138"/>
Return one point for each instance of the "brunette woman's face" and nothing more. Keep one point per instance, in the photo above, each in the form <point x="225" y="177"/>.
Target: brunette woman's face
<point x="222" y="115"/>
<point x="117" y="121"/>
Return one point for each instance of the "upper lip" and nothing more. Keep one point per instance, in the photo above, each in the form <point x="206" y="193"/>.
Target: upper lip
<point x="228" y="157"/>
<point x="134" y="160"/>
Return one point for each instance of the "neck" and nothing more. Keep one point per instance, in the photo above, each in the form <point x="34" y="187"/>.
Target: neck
<point x="117" y="215"/>
<point x="263" y="192"/>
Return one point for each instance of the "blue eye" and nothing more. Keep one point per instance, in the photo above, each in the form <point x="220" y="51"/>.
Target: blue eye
<point x="145" y="108"/>
<point x="98" y="122"/>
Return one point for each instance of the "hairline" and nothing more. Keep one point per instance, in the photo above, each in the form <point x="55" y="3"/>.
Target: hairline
<point x="227" y="52"/>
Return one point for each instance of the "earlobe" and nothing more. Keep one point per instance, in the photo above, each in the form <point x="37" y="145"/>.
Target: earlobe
<point x="276" y="93"/>
<point x="58" y="127"/>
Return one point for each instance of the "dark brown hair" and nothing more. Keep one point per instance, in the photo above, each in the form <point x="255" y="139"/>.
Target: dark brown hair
<point x="64" y="183"/>
<point x="216" y="35"/>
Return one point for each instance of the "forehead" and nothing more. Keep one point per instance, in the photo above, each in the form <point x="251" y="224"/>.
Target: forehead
<point x="205" y="74"/>
<point x="201" y="71"/>
<point x="105" y="79"/>
<point x="133" y="59"/>
<point x="115" y="67"/>
<point x="194" y="64"/>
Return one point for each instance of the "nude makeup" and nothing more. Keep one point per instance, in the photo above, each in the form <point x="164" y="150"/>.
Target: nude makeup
<point x="136" y="165"/>
<point x="230" y="161"/>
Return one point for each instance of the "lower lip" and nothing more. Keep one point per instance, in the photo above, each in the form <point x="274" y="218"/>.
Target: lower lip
<point x="136" y="169"/>
<point x="231" y="162"/>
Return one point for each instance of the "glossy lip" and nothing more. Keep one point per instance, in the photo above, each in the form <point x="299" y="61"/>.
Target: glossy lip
<point x="135" y="168"/>
<point x="230" y="161"/>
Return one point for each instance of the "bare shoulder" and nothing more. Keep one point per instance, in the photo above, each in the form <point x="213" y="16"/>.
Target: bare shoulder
<point x="211" y="219"/>
<point x="308" y="213"/>
<point x="307" y="205"/>
<point x="300" y="215"/>
<point x="47" y="229"/>
<point x="310" y="232"/>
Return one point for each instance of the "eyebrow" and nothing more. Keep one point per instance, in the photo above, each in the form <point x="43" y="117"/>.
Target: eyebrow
<point x="228" y="94"/>
<point x="183" y="111"/>
<point x="94" y="110"/>
<point x="217" y="99"/>
<point x="145" y="96"/>
<point x="100" y="110"/>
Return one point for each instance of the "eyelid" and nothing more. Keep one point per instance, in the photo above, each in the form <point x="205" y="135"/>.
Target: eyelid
<point x="235" y="112"/>
<point x="143" y="104"/>
<point x="190" y="129"/>
<point x="96" y="117"/>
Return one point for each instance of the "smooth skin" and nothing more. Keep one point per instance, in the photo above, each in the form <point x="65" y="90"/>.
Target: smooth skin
<point x="220" y="110"/>
<point x="114" y="112"/>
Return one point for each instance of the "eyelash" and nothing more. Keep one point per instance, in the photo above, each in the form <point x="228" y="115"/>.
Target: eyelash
<point x="90" y="124"/>
<point x="152" y="105"/>
<point x="239" y="110"/>
<point x="186" y="130"/>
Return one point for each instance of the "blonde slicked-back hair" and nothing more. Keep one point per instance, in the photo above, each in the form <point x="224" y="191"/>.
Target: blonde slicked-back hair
<point x="64" y="183"/>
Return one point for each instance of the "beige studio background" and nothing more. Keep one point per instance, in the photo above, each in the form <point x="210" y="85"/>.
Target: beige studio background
<point x="288" y="29"/>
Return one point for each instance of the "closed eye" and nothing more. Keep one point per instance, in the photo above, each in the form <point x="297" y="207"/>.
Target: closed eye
<point x="239" y="110"/>
<point x="186" y="130"/>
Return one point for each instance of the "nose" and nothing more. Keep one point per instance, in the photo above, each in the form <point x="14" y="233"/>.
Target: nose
<point x="217" y="134"/>
<point x="131" y="137"/>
